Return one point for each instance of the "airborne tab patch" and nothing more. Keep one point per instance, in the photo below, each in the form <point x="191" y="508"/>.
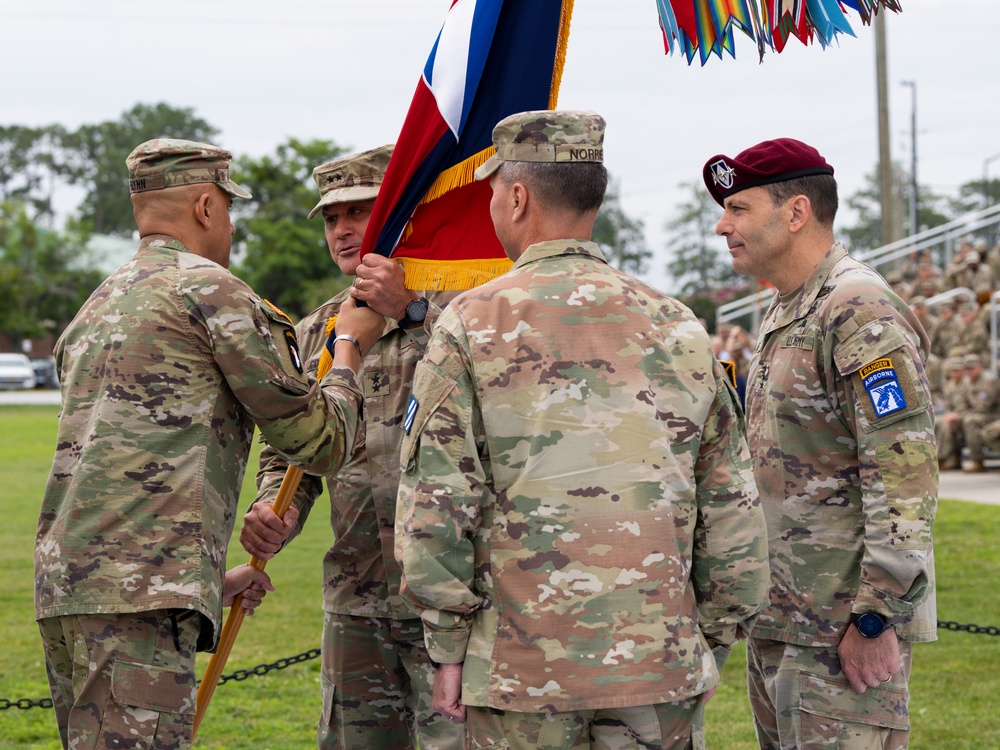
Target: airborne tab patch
<point x="411" y="413"/>
<point x="880" y="380"/>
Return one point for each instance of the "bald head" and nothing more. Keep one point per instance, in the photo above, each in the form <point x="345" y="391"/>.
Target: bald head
<point x="196" y="215"/>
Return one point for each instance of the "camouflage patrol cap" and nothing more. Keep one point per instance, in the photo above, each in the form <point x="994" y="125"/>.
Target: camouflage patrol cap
<point x="357" y="177"/>
<point x="918" y="301"/>
<point x="565" y="136"/>
<point x="954" y="364"/>
<point x="171" y="162"/>
<point x="968" y="305"/>
<point x="971" y="360"/>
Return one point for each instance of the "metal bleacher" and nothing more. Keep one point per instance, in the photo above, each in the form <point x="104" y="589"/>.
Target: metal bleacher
<point x="941" y="241"/>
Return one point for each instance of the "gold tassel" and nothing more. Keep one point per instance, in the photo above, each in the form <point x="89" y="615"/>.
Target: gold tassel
<point x="325" y="358"/>
<point x="560" y="63"/>
<point x="460" y="175"/>
<point x="451" y="275"/>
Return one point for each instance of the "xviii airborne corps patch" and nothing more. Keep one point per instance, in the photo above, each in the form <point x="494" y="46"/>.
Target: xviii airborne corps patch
<point x="882" y="383"/>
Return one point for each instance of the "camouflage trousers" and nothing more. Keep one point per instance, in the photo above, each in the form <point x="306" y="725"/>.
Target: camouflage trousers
<point x="377" y="685"/>
<point x="948" y="438"/>
<point x="670" y="726"/>
<point x="122" y="680"/>
<point x="801" y="699"/>
<point x="980" y="431"/>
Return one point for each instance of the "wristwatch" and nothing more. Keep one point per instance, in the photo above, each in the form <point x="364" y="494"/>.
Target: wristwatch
<point x="870" y="624"/>
<point x="416" y="311"/>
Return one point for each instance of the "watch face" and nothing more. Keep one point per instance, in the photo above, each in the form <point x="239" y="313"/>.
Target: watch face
<point x="870" y="624"/>
<point x="417" y="310"/>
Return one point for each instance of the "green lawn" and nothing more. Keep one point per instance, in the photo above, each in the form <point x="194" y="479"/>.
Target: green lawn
<point x="954" y="680"/>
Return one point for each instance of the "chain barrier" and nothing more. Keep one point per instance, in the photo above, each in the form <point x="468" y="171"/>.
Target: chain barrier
<point x="262" y="669"/>
<point x="978" y="629"/>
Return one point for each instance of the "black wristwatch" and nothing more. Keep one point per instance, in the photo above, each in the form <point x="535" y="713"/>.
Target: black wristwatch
<point x="416" y="311"/>
<point x="870" y="624"/>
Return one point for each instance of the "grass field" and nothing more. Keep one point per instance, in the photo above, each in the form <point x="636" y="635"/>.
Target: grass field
<point x="954" y="681"/>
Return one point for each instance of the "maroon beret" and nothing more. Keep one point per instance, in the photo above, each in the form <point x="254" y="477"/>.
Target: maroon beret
<point x="771" y="161"/>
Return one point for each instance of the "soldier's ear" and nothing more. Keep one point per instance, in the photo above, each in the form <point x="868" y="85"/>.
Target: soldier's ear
<point x="203" y="210"/>
<point x="801" y="209"/>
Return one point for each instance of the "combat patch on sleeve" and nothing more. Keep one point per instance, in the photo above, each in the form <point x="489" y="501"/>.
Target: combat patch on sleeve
<point x="293" y="350"/>
<point x="880" y="380"/>
<point x="411" y="414"/>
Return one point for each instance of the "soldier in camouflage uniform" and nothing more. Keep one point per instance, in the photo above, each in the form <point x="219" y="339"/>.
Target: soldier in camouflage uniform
<point x="842" y="435"/>
<point x="577" y="520"/>
<point x="948" y="424"/>
<point x="981" y="392"/>
<point x="972" y="333"/>
<point x="376" y="676"/>
<point x="164" y="372"/>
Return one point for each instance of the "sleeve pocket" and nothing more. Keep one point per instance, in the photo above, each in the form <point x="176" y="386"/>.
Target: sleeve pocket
<point x="279" y="349"/>
<point x="430" y="388"/>
<point x="879" y="366"/>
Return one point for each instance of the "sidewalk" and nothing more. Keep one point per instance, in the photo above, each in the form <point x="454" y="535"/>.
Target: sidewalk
<point x="978" y="488"/>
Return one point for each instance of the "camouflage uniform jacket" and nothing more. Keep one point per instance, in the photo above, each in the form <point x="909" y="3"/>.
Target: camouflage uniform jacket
<point x="577" y="517"/>
<point x="165" y="369"/>
<point x="842" y="435"/>
<point x="982" y="395"/>
<point x="360" y="573"/>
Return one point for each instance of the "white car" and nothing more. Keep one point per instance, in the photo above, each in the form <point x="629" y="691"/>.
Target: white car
<point x="16" y="371"/>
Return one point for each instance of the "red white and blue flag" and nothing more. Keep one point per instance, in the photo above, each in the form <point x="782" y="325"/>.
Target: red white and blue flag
<point x="492" y="58"/>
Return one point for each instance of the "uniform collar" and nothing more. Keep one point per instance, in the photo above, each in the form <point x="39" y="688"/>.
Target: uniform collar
<point x="800" y="306"/>
<point x="554" y="248"/>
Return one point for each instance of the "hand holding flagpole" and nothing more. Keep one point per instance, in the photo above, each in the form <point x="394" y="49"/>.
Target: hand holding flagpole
<point x="231" y="627"/>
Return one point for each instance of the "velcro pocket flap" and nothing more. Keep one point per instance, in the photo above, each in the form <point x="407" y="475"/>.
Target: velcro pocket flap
<point x="153" y="688"/>
<point x="833" y="698"/>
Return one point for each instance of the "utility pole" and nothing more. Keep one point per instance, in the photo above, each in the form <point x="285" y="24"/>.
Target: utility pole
<point x="891" y="224"/>
<point x="914" y="195"/>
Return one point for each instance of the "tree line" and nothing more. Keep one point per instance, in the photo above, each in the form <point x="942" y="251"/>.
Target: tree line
<point x="46" y="274"/>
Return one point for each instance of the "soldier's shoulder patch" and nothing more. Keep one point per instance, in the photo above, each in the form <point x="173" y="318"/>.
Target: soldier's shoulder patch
<point x="411" y="414"/>
<point x="280" y="313"/>
<point x="293" y="350"/>
<point x="882" y="384"/>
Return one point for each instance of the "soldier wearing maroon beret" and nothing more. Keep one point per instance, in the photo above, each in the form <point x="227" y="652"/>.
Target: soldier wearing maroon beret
<point x="841" y="432"/>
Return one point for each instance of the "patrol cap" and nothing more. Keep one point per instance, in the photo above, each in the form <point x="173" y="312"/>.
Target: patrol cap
<point x="918" y="301"/>
<point x="968" y="305"/>
<point x="565" y="136"/>
<point x="971" y="360"/>
<point x="770" y="161"/>
<point x="170" y="162"/>
<point x="357" y="177"/>
<point x="954" y="364"/>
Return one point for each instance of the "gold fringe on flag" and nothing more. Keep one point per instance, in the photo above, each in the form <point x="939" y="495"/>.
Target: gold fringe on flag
<point x="557" y="69"/>
<point x="451" y="275"/>
<point x="463" y="173"/>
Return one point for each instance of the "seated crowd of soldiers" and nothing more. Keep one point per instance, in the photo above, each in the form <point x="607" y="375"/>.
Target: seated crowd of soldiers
<point x="964" y="381"/>
<point x="961" y="369"/>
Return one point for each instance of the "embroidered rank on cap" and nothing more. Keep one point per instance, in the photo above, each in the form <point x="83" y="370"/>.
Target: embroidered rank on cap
<point x="880" y="380"/>
<point x="293" y="350"/>
<point x="411" y="413"/>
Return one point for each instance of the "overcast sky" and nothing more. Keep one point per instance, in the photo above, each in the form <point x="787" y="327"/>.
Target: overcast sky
<point x="264" y="70"/>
